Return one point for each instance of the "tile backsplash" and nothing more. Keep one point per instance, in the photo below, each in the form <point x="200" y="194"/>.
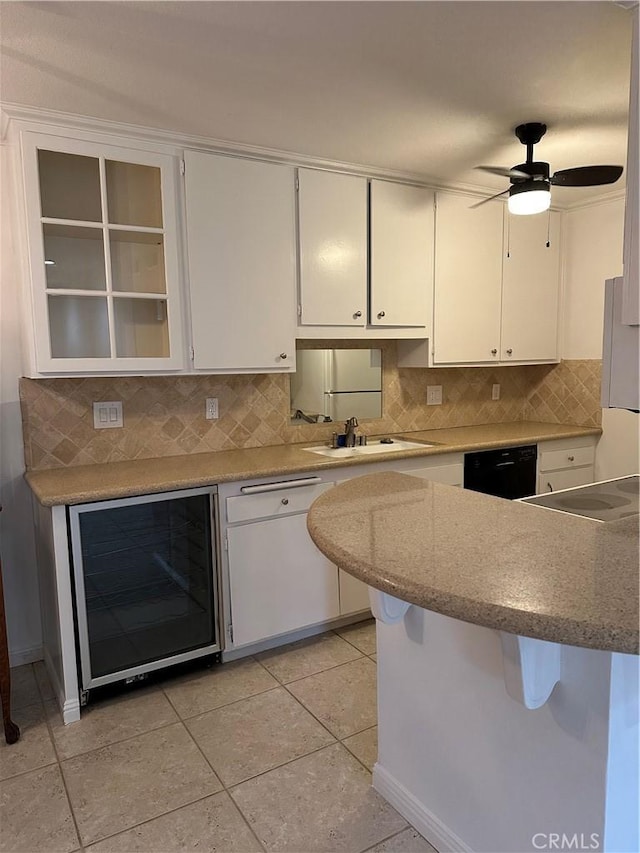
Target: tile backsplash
<point x="164" y="416"/>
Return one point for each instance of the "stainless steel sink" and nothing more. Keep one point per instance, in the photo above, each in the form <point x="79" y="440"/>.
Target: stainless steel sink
<point x="369" y="449"/>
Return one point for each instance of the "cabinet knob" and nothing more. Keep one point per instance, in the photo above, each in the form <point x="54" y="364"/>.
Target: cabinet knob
<point x="285" y="501"/>
<point x="509" y="352"/>
<point x="283" y="355"/>
<point x="494" y="352"/>
<point x="357" y="314"/>
<point x="380" y="315"/>
<point x="571" y="458"/>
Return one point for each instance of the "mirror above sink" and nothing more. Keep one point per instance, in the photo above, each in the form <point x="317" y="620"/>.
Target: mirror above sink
<point x="336" y="384"/>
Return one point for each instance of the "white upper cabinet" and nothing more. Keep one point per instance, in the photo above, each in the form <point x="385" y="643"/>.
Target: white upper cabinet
<point x="497" y="285"/>
<point x="530" y="288"/>
<point x="241" y="255"/>
<point x="401" y="255"/>
<point x="332" y="211"/>
<point x="105" y="285"/>
<point x="468" y="281"/>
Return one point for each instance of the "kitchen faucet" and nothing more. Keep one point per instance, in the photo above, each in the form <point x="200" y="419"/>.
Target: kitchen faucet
<point x="350" y="432"/>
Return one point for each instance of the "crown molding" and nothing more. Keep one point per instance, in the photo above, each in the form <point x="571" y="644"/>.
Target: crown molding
<point x="59" y="120"/>
<point x="605" y="198"/>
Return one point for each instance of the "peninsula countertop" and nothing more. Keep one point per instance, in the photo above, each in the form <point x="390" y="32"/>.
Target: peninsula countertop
<point x="103" y="481"/>
<point x="501" y="564"/>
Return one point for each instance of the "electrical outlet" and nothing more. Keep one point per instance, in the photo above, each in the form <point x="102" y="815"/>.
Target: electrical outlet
<point x="495" y="392"/>
<point x="211" y="409"/>
<point x="434" y="395"/>
<point x="107" y="415"/>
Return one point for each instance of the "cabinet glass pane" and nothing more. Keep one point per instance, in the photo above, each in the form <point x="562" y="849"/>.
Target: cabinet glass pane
<point x="74" y="257"/>
<point x="78" y="327"/>
<point x="141" y="328"/>
<point x="133" y="194"/>
<point x="69" y="186"/>
<point x="137" y="262"/>
<point x="148" y="576"/>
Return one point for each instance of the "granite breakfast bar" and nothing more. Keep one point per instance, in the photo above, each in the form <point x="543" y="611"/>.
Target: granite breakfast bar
<point x="507" y="663"/>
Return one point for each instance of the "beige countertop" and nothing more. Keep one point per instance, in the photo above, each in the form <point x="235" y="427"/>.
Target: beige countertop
<point x="73" y="485"/>
<point x="502" y="564"/>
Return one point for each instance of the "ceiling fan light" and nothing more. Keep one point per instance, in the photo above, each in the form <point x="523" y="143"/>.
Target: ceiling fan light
<point x="529" y="197"/>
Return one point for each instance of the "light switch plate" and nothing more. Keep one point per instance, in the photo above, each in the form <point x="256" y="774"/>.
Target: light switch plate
<point x="495" y="392"/>
<point x="107" y="415"/>
<point x="434" y="395"/>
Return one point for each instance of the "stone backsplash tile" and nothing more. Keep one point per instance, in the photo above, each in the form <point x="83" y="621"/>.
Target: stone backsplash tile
<point x="568" y="392"/>
<point x="164" y="416"/>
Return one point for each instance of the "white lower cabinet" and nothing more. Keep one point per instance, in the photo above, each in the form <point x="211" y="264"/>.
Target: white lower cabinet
<point x="354" y="594"/>
<point x="565" y="463"/>
<point x="279" y="581"/>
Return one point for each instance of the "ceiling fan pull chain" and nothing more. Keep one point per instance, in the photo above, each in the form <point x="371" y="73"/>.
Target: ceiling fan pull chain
<point x="549" y="228"/>
<point x="508" y="235"/>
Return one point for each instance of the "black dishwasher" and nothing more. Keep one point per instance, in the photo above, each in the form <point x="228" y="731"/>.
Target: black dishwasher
<point x="506" y="473"/>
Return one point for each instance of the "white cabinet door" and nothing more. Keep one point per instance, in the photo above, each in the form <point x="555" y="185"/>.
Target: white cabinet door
<point x="104" y="260"/>
<point x="468" y="280"/>
<point x="241" y="251"/>
<point x="279" y="581"/>
<point x="452" y="475"/>
<point x="332" y="210"/>
<point x="354" y="594"/>
<point x="531" y="288"/>
<point x="401" y="255"/>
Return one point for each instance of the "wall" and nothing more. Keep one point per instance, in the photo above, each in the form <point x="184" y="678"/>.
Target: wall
<point x="593" y="253"/>
<point x="16" y="529"/>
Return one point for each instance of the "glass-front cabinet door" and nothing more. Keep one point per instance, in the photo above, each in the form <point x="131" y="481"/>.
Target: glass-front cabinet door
<point x="104" y="257"/>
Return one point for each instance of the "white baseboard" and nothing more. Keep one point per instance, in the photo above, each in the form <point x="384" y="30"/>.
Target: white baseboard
<point x="18" y="657"/>
<point x="428" y="825"/>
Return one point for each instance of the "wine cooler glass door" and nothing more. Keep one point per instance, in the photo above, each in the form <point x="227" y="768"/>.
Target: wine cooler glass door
<point x="146" y="583"/>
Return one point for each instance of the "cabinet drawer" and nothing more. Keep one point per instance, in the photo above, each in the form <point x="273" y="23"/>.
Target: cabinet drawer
<point x="555" y="481"/>
<point x="571" y="457"/>
<point x="273" y="503"/>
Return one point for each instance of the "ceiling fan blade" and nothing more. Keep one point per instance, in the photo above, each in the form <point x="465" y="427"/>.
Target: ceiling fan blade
<point x="491" y="197"/>
<point x="503" y="171"/>
<point x="586" y="176"/>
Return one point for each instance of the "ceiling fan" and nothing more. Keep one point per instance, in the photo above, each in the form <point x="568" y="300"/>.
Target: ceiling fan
<point x="530" y="190"/>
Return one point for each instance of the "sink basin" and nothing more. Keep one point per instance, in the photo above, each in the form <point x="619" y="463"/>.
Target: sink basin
<point x="368" y="449"/>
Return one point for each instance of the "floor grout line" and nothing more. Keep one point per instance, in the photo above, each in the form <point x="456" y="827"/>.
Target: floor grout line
<point x="225" y="788"/>
<point x="328" y="669"/>
<point x="311" y="674"/>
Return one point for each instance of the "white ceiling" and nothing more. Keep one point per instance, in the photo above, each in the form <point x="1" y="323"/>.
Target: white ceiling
<point x="428" y="88"/>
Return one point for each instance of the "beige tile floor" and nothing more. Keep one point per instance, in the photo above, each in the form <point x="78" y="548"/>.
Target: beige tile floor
<point x="271" y="753"/>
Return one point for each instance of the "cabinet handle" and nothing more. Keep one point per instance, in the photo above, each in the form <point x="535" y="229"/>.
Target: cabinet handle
<point x="550" y="487"/>
<point x="571" y="458"/>
<point x="509" y="352"/>
<point x="283" y="355"/>
<point x="357" y="314"/>
<point x="285" y="501"/>
<point x="380" y="315"/>
<point x="494" y="352"/>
